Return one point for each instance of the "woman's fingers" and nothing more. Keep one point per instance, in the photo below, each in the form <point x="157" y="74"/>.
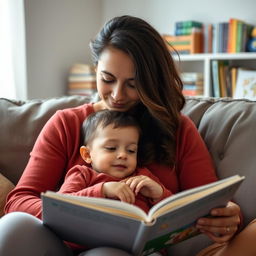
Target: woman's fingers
<point x="222" y="224"/>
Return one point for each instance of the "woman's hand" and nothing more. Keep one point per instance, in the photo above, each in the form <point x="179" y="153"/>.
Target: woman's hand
<point x="223" y="223"/>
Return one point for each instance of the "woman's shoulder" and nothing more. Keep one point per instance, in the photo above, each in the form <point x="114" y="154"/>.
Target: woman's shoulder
<point x="186" y="123"/>
<point x="69" y="118"/>
<point x="187" y="131"/>
<point x="79" y="112"/>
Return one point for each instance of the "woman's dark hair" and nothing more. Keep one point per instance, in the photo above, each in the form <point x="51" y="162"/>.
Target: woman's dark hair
<point x="157" y="82"/>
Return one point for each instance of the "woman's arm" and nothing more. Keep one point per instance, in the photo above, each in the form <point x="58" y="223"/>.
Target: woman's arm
<point x="195" y="168"/>
<point x="194" y="165"/>
<point x="55" y="150"/>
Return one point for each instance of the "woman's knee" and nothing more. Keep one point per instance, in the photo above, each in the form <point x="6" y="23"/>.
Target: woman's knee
<point x="105" y="251"/>
<point x="29" y="235"/>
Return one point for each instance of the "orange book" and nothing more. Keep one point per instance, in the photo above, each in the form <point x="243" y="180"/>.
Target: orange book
<point x="222" y="82"/>
<point x="82" y="85"/>
<point x="233" y="71"/>
<point x="192" y="43"/>
<point x="230" y="30"/>
<point x="232" y="34"/>
<point x="210" y="38"/>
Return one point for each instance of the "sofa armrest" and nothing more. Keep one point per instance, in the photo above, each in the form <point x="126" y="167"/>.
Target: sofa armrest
<point x="5" y="187"/>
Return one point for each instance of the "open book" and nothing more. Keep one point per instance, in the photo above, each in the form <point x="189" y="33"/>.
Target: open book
<point x="105" y="222"/>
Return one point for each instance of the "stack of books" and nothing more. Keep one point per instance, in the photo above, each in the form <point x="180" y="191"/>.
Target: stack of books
<point x="82" y="80"/>
<point x="193" y="83"/>
<point x="188" y="37"/>
<point x="183" y="28"/>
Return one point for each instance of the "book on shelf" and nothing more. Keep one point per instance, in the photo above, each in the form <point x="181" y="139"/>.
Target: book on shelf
<point x="187" y="27"/>
<point x="245" y="84"/>
<point x="82" y="80"/>
<point x="222" y="80"/>
<point x="208" y="40"/>
<point x="238" y="35"/>
<point x="193" y="83"/>
<point x="82" y="85"/>
<point x="185" y="44"/>
<point x="233" y="77"/>
<point x="215" y="78"/>
<point x="97" y="222"/>
<point x="222" y="37"/>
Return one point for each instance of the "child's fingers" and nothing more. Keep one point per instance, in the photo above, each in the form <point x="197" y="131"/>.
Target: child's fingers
<point x="126" y="195"/>
<point x="134" y="181"/>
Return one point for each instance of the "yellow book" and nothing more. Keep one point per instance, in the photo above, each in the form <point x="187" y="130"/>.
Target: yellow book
<point x="233" y="34"/>
<point x="233" y="71"/>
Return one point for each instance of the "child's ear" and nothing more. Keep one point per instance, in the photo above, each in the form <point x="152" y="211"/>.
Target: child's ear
<point x="85" y="154"/>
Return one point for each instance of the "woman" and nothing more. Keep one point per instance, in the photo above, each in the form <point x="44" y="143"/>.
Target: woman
<point x="135" y="73"/>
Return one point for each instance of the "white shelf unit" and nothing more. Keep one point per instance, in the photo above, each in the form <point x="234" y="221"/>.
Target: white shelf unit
<point x="202" y="63"/>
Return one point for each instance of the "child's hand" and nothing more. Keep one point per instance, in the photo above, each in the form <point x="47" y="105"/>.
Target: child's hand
<point x="145" y="185"/>
<point x="119" y="190"/>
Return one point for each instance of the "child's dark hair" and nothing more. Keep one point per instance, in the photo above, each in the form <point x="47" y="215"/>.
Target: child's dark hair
<point x="104" y="118"/>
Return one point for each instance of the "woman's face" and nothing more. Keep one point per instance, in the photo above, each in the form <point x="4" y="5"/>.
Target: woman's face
<point x="116" y="80"/>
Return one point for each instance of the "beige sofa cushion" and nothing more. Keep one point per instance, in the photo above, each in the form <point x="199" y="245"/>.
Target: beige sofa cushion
<point x="5" y="187"/>
<point x="228" y="127"/>
<point x="20" y="125"/>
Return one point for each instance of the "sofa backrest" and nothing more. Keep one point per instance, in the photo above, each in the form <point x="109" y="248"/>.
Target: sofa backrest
<point x="20" y="124"/>
<point x="228" y="128"/>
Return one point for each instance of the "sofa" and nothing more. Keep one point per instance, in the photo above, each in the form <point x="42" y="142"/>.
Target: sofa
<point x="228" y="127"/>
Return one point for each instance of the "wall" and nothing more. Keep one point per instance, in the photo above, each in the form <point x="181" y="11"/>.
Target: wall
<point x="57" y="35"/>
<point x="58" y="31"/>
<point x="162" y="14"/>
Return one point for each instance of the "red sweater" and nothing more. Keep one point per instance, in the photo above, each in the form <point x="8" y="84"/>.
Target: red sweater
<point x="84" y="181"/>
<point x="57" y="150"/>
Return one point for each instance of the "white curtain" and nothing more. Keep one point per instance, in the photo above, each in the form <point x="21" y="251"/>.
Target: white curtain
<point x="12" y="50"/>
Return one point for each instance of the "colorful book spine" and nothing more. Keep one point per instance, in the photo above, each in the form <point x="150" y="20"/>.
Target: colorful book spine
<point x="82" y="80"/>
<point x="185" y="44"/>
<point x="193" y="83"/>
<point x="215" y="79"/>
<point x="237" y="35"/>
<point x="187" y="27"/>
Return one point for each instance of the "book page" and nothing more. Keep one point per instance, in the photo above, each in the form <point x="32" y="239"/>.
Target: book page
<point x="188" y="196"/>
<point x="102" y="204"/>
<point x="246" y="84"/>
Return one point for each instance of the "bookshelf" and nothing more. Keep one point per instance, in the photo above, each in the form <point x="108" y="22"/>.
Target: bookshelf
<point x="202" y="63"/>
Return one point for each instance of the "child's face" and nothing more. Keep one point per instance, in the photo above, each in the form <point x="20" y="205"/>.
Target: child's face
<point x="114" y="150"/>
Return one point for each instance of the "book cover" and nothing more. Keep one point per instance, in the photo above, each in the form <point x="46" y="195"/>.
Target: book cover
<point x="105" y="222"/>
<point x="223" y="67"/>
<point x="191" y="43"/>
<point x="186" y="27"/>
<point x="215" y="78"/>
<point x="233" y="74"/>
<point x="246" y="84"/>
<point x="210" y="37"/>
